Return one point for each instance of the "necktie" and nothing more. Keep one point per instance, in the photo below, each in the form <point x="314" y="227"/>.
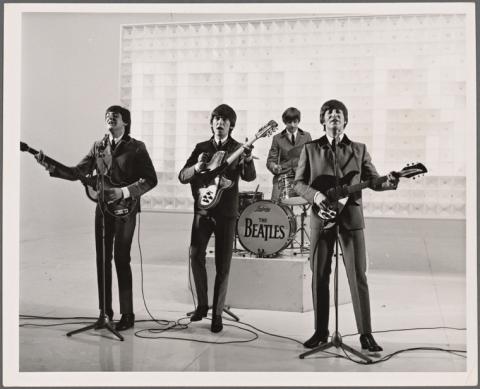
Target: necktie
<point x="293" y="139"/>
<point x="219" y="144"/>
<point x="113" y="144"/>
<point x="334" y="144"/>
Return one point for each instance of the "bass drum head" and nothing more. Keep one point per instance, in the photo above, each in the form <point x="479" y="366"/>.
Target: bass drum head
<point x="265" y="228"/>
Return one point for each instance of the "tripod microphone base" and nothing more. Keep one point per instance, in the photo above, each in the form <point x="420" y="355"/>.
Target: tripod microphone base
<point x="101" y="323"/>
<point x="337" y="343"/>
<point x="226" y="310"/>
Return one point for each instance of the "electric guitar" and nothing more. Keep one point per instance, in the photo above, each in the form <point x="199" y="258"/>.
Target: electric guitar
<point x="214" y="182"/>
<point x="326" y="185"/>
<point x="94" y="186"/>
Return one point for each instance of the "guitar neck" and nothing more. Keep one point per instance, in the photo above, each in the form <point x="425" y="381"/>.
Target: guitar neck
<point x="366" y="184"/>
<point x="237" y="153"/>
<point x="47" y="159"/>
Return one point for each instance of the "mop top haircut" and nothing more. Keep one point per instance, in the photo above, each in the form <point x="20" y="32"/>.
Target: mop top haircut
<point x="330" y="105"/>
<point x="291" y="114"/>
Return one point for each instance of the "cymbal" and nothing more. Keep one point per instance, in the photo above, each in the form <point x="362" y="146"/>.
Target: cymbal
<point x="294" y="152"/>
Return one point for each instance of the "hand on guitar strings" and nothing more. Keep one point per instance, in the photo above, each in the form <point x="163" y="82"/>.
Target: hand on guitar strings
<point x="40" y="157"/>
<point x="325" y="212"/>
<point x="392" y="180"/>
<point x="112" y="194"/>
<point x="247" y="152"/>
<point x="277" y="169"/>
<point x="201" y="165"/>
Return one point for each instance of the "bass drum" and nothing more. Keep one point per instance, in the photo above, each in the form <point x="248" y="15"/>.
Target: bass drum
<point x="264" y="228"/>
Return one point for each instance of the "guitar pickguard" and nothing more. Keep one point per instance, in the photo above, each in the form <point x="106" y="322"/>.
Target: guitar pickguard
<point x="209" y="196"/>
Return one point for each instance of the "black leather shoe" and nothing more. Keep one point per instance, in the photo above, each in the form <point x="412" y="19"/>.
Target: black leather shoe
<point x="199" y="313"/>
<point x="368" y="343"/>
<point x="126" y="321"/>
<point x="316" y="339"/>
<point x="217" y="325"/>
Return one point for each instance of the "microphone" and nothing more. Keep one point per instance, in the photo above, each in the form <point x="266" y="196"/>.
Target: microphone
<point x="104" y="143"/>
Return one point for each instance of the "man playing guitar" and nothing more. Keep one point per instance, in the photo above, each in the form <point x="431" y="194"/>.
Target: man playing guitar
<point x="317" y="162"/>
<point x="219" y="219"/>
<point x="125" y="163"/>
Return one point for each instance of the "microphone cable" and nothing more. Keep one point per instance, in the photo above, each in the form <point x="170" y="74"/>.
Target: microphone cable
<point x="182" y="324"/>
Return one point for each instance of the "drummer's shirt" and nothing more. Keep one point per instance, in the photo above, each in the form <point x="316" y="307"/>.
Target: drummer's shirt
<point x="292" y="133"/>
<point x="330" y="140"/>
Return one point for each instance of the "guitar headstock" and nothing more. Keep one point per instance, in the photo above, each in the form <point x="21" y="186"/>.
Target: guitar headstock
<point x="267" y="130"/>
<point x="413" y="170"/>
<point x="23" y="146"/>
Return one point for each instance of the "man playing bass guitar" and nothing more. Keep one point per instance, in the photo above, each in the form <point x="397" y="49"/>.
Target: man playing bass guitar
<point x="317" y="162"/>
<point x="127" y="168"/>
<point x="219" y="219"/>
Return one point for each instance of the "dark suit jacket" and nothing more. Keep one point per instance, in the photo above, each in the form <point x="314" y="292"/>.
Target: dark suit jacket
<point x="128" y="165"/>
<point x="228" y="205"/>
<point x="317" y="159"/>
<point x="281" y="145"/>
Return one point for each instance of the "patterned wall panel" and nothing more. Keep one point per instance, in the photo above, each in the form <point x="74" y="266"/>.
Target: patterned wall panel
<point x="402" y="78"/>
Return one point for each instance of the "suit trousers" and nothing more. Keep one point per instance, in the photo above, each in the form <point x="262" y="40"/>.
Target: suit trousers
<point x="118" y="241"/>
<point x="202" y="229"/>
<point x="352" y="242"/>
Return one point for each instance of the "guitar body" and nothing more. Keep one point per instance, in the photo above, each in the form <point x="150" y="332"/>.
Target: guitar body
<point x="214" y="183"/>
<point x="326" y="185"/>
<point x="209" y="196"/>
<point x="118" y="208"/>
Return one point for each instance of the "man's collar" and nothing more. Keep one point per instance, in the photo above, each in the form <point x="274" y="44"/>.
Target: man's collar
<point x="324" y="141"/>
<point x="224" y="140"/>
<point x="111" y="138"/>
<point x="299" y="131"/>
<point x="340" y="138"/>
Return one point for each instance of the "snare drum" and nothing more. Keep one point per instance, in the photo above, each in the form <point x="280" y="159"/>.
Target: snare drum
<point x="247" y="198"/>
<point x="287" y="192"/>
<point x="265" y="228"/>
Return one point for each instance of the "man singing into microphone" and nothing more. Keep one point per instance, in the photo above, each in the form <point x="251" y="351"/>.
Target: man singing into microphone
<point x="317" y="160"/>
<point x="219" y="220"/>
<point x="127" y="164"/>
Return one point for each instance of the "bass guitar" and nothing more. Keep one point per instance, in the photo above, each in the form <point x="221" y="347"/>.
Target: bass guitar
<point x="214" y="182"/>
<point x="326" y="185"/>
<point x="94" y="186"/>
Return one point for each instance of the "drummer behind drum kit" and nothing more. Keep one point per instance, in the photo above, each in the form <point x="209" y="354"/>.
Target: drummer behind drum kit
<point x="266" y="227"/>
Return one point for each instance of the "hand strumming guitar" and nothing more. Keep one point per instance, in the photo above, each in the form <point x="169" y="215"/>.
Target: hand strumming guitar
<point x="325" y="212"/>
<point x="112" y="194"/>
<point x="201" y="165"/>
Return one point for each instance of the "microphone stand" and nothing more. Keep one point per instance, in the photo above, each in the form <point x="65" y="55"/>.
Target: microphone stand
<point x="336" y="340"/>
<point x="103" y="321"/>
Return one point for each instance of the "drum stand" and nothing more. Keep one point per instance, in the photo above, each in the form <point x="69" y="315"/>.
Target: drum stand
<point x="303" y="232"/>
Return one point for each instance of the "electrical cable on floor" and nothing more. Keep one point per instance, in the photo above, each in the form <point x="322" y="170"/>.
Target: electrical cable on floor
<point x="178" y="325"/>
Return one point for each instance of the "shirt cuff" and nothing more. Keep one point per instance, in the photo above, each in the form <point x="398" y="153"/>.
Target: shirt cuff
<point x="315" y="197"/>
<point x="126" y="192"/>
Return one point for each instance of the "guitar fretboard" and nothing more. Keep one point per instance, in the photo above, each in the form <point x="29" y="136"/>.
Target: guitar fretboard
<point x="367" y="184"/>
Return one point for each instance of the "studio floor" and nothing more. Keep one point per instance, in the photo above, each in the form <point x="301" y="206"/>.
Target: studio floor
<point x="57" y="279"/>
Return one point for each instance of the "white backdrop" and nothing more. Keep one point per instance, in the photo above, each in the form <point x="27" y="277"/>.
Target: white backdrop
<point x="402" y="77"/>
